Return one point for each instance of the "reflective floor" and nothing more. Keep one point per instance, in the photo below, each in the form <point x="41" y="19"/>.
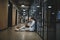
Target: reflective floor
<point x="11" y="34"/>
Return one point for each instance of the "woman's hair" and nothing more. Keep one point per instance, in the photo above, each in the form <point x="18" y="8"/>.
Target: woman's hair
<point x="33" y="18"/>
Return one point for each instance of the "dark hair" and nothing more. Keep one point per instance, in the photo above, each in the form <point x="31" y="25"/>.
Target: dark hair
<point x="33" y="18"/>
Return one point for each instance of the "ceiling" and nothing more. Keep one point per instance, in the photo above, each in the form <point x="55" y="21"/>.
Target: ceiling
<point x="30" y="6"/>
<point x="18" y="3"/>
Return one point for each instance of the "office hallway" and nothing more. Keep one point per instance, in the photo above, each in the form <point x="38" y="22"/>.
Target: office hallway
<point x="40" y="16"/>
<point x="11" y="34"/>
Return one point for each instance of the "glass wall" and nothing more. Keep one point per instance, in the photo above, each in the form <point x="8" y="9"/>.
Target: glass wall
<point x="38" y="10"/>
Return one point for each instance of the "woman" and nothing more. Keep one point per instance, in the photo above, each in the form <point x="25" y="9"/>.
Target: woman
<point x="30" y="25"/>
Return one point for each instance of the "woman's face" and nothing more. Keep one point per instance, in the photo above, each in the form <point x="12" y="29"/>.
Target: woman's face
<point x="29" y="19"/>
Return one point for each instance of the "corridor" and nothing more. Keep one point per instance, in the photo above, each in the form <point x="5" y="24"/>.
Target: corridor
<point x="11" y="34"/>
<point x="29" y="19"/>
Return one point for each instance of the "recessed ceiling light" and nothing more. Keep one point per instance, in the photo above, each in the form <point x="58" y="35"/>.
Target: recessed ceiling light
<point x="23" y="14"/>
<point x="22" y="5"/>
<point x="8" y="4"/>
<point x="53" y="13"/>
<point x="24" y="10"/>
<point x="38" y="6"/>
<point x="49" y="6"/>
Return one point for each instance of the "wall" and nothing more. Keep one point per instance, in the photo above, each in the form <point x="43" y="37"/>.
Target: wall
<point x="18" y="16"/>
<point x="3" y="14"/>
<point x="13" y="15"/>
<point x="58" y="21"/>
<point x="58" y="31"/>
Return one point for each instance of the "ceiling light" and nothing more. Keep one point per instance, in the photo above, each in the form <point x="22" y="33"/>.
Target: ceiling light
<point x="34" y="10"/>
<point x="53" y="13"/>
<point x="22" y="5"/>
<point x="24" y="10"/>
<point x="49" y="6"/>
<point x="8" y="4"/>
<point x="38" y="6"/>
<point x="23" y="14"/>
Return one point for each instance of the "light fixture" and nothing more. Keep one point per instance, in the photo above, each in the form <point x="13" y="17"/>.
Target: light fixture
<point x="22" y="5"/>
<point x="34" y="10"/>
<point x="38" y="6"/>
<point x="49" y="6"/>
<point x="8" y="4"/>
<point x="24" y="10"/>
<point x="23" y="14"/>
<point x="53" y="13"/>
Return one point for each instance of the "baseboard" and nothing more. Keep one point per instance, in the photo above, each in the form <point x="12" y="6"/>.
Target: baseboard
<point x="4" y="29"/>
<point x="40" y="35"/>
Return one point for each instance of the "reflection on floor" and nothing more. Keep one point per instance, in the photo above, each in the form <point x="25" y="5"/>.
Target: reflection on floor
<point x="11" y="34"/>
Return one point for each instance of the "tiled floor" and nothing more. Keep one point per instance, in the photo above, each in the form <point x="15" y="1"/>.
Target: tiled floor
<point x="10" y="34"/>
